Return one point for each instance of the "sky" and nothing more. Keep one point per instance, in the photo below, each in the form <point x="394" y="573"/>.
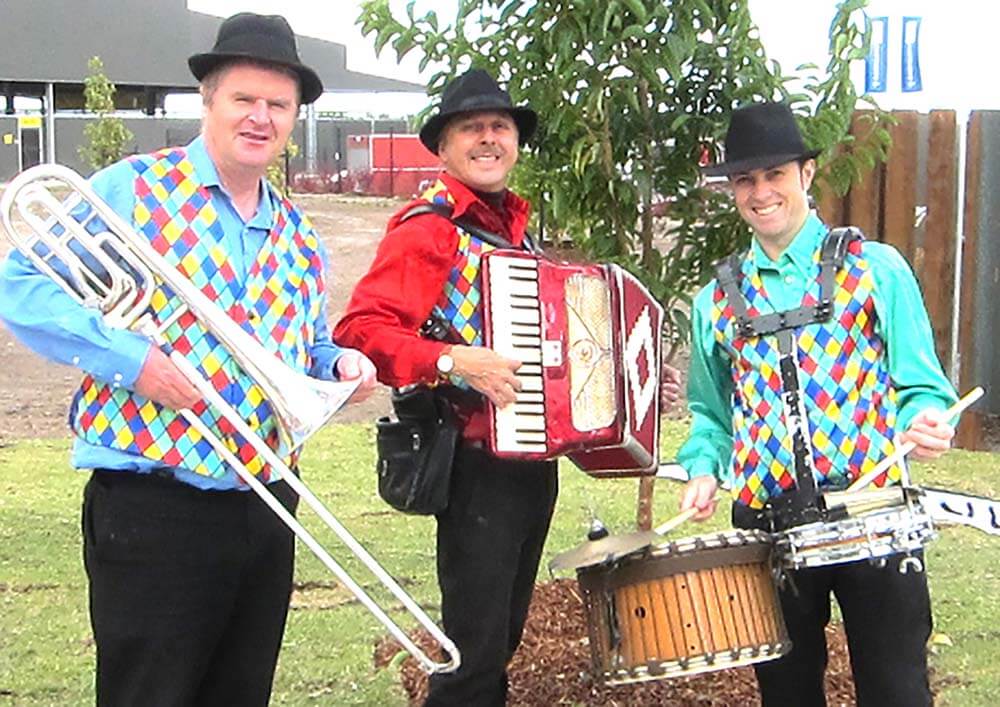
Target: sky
<point x="956" y="41"/>
<point x="333" y="20"/>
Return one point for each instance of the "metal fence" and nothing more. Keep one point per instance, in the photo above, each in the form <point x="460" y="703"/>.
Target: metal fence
<point x="22" y="144"/>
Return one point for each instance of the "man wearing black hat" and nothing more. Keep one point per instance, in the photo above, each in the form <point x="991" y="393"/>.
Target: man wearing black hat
<point x="812" y="359"/>
<point x="190" y="574"/>
<point x="490" y="537"/>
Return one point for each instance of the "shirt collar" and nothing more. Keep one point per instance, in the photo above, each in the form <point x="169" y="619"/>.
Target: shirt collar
<point x="465" y="201"/>
<point x="800" y="252"/>
<point x="208" y="176"/>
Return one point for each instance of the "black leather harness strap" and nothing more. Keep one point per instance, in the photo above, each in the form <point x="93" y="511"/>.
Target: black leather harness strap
<point x="445" y="210"/>
<point x="832" y="256"/>
<point x="800" y="506"/>
<point x="434" y="327"/>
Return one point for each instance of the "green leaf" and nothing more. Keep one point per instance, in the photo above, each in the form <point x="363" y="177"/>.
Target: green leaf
<point x="637" y="8"/>
<point x="508" y="12"/>
<point x="679" y="121"/>
<point x="383" y="36"/>
<point x="634" y="32"/>
<point x="610" y="12"/>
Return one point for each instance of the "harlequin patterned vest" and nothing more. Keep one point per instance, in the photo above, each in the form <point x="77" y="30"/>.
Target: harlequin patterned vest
<point x="278" y="304"/>
<point x="460" y="304"/>
<point x="848" y="395"/>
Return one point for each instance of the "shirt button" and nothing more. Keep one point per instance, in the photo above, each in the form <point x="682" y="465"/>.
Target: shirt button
<point x="118" y="377"/>
<point x="789" y="279"/>
<point x="76" y="360"/>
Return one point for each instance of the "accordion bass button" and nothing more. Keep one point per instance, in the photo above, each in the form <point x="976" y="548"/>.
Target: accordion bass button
<point x="552" y="353"/>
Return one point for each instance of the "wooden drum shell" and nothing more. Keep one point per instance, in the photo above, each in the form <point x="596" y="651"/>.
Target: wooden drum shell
<point x="695" y="605"/>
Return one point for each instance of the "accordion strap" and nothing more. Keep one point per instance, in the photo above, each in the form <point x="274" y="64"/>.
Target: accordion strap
<point x="445" y="210"/>
<point x="434" y="327"/>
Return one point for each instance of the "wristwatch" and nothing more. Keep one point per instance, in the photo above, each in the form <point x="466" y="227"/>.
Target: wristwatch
<point x="445" y="363"/>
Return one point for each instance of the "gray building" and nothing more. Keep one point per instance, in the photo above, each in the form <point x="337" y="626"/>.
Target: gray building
<point x="144" y="45"/>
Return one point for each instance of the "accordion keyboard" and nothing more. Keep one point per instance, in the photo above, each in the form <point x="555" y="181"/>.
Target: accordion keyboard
<point x="517" y="333"/>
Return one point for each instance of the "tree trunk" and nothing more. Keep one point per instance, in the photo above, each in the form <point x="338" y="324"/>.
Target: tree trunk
<point x="644" y="508"/>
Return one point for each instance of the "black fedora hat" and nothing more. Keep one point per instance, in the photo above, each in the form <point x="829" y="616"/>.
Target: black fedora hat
<point x="267" y="38"/>
<point x="475" y="90"/>
<point x="761" y="135"/>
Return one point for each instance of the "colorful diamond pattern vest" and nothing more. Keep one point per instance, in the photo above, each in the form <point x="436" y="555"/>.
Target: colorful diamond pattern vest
<point x="848" y="396"/>
<point x="278" y="304"/>
<point x="460" y="303"/>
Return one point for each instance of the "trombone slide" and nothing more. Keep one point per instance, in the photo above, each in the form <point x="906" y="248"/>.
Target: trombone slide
<point x="128" y="270"/>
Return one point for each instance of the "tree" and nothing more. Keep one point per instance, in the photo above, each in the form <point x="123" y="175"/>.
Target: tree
<point x="107" y="136"/>
<point x="633" y="94"/>
<point x="276" y="173"/>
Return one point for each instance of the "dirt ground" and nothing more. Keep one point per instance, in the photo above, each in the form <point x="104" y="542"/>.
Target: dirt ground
<point x="35" y="394"/>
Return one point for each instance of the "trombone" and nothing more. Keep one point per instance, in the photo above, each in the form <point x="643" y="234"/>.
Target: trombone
<point x="102" y="263"/>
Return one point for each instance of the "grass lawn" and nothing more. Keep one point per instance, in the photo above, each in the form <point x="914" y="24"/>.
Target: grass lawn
<point x="46" y="652"/>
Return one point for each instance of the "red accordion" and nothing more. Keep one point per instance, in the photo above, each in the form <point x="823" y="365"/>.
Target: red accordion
<point x="589" y="337"/>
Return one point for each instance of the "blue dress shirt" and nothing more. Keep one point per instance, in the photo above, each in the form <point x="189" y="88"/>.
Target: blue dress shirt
<point x="51" y="323"/>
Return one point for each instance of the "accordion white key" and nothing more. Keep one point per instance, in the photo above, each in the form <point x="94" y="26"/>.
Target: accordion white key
<point x="590" y="339"/>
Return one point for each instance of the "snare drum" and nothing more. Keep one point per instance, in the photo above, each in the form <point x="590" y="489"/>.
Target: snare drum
<point x="698" y="604"/>
<point x="876" y="524"/>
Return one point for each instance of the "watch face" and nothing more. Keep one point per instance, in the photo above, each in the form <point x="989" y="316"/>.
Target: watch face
<point x="445" y="363"/>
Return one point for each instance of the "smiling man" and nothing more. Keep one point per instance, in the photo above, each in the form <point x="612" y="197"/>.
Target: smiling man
<point x="490" y="537"/>
<point x="867" y="378"/>
<point x="190" y="573"/>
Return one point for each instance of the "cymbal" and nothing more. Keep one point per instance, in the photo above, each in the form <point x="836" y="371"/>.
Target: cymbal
<point x="606" y="549"/>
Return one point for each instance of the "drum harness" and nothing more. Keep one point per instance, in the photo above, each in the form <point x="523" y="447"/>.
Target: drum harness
<point x="802" y="505"/>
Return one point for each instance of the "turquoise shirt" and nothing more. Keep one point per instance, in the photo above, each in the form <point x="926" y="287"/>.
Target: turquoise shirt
<point x="902" y="323"/>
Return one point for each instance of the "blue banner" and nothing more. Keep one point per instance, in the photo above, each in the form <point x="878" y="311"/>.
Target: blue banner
<point x="877" y="61"/>
<point x="911" y="55"/>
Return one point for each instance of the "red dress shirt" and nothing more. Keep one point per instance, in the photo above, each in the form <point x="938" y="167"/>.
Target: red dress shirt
<point x="394" y="298"/>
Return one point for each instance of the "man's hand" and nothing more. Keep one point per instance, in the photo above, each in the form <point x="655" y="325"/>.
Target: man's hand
<point x="699" y="493"/>
<point x="488" y="372"/>
<point x="670" y="385"/>
<point x="931" y="432"/>
<point x="162" y="382"/>
<point x="353" y="364"/>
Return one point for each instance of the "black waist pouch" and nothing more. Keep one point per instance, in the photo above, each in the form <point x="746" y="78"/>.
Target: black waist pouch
<point x="416" y="452"/>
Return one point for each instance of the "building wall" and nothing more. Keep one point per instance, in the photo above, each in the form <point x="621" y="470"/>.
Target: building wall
<point x="8" y="150"/>
<point x="152" y="133"/>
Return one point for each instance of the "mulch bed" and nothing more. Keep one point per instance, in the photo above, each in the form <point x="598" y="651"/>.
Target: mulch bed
<point x="552" y="666"/>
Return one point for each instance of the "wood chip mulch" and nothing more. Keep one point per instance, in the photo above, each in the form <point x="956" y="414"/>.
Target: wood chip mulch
<point x="552" y="666"/>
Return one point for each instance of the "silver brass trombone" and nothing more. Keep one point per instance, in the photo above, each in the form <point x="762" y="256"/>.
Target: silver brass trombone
<point x="102" y="263"/>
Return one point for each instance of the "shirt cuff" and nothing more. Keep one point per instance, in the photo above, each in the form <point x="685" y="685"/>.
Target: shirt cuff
<point x="121" y="363"/>
<point x="323" y="363"/>
<point x="918" y="403"/>
<point x="700" y="467"/>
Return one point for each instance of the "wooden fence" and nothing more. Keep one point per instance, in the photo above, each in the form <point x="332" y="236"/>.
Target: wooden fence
<point x="911" y="202"/>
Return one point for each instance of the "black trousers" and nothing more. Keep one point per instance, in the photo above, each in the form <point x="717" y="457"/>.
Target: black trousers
<point x="887" y="619"/>
<point x="489" y="543"/>
<point x="189" y="591"/>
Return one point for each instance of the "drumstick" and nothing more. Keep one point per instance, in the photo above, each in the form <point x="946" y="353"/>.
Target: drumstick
<point x="907" y="447"/>
<point x="681" y="518"/>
